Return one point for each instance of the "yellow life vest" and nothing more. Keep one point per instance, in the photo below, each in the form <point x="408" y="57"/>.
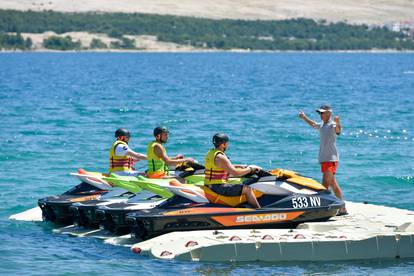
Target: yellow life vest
<point x="156" y="166"/>
<point x="119" y="163"/>
<point x="214" y="174"/>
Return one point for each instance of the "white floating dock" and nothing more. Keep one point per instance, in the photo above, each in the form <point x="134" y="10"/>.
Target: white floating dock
<point x="368" y="232"/>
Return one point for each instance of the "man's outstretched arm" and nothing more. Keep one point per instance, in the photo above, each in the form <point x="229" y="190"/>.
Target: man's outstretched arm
<point x="307" y="120"/>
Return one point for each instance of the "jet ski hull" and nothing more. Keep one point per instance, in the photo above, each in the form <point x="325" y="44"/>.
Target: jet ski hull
<point x="150" y="223"/>
<point x="56" y="208"/>
<point x="84" y="215"/>
<point x="112" y="216"/>
<point x="113" y="219"/>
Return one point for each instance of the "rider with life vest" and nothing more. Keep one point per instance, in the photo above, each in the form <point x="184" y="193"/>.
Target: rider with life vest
<point x="219" y="167"/>
<point x="158" y="160"/>
<point x="121" y="157"/>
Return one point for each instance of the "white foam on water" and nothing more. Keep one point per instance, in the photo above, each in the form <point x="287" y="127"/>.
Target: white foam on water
<point x="376" y="134"/>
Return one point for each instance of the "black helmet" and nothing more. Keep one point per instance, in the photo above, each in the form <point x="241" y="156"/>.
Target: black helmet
<point x="160" y="129"/>
<point x="220" y="138"/>
<point x="122" y="132"/>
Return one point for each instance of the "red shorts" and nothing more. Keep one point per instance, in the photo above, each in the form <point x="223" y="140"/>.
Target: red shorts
<point x="329" y="167"/>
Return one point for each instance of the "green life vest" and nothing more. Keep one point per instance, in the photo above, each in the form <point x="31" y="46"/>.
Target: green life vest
<point x="155" y="164"/>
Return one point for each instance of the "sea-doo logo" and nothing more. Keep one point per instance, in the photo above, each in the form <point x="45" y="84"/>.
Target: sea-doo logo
<point x="237" y="220"/>
<point x="261" y="218"/>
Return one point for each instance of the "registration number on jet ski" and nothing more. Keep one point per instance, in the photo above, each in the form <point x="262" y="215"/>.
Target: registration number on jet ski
<point x="303" y="202"/>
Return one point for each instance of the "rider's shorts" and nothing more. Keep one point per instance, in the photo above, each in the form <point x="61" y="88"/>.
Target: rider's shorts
<point x="227" y="189"/>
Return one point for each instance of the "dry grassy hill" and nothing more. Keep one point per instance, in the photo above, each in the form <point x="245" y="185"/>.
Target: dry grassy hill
<point x="353" y="11"/>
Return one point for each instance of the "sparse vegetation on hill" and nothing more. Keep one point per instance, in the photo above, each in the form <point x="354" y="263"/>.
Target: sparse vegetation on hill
<point x="97" y="44"/>
<point x="294" y="34"/>
<point x="14" y="42"/>
<point x="124" y="43"/>
<point x="61" y="43"/>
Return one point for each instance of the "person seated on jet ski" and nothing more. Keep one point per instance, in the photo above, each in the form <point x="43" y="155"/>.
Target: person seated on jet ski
<point x="158" y="160"/>
<point x="121" y="157"/>
<point x="219" y="167"/>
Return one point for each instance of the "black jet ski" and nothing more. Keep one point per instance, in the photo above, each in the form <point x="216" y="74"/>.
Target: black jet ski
<point x="56" y="208"/>
<point x="286" y="197"/>
<point x="93" y="186"/>
<point x="111" y="217"/>
<point x="92" y="190"/>
<point x="84" y="213"/>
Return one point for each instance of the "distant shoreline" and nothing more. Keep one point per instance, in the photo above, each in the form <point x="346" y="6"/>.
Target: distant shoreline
<point x="46" y="31"/>
<point x="202" y="51"/>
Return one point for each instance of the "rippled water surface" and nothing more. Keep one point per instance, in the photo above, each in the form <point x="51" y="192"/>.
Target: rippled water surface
<point x="59" y="112"/>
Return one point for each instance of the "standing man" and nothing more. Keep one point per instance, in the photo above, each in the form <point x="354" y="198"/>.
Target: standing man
<point x="328" y="153"/>
<point x="158" y="160"/>
<point x="121" y="157"/>
<point x="219" y="167"/>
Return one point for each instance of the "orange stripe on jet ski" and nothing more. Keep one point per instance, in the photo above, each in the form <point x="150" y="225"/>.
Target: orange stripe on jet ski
<point x="236" y="220"/>
<point x="189" y="192"/>
<point x="98" y="174"/>
<point x="207" y="210"/>
<point x="84" y="198"/>
<point x="176" y="183"/>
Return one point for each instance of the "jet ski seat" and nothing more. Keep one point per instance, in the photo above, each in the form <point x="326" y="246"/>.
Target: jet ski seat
<point x="207" y="194"/>
<point x="231" y="201"/>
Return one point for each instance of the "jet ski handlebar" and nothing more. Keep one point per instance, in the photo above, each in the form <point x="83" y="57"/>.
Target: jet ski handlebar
<point x="259" y="173"/>
<point x="188" y="166"/>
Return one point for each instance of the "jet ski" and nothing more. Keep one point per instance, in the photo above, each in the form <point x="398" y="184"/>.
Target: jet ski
<point x="92" y="187"/>
<point x="56" y="208"/>
<point x="112" y="216"/>
<point x="286" y="197"/>
<point x="84" y="212"/>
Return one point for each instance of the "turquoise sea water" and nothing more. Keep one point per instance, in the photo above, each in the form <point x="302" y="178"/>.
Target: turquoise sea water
<point x="59" y="111"/>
